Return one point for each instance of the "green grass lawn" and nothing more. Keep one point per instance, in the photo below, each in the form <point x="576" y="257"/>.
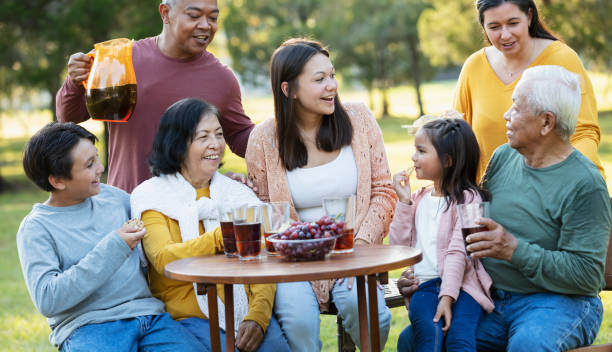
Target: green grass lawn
<point x="22" y="328"/>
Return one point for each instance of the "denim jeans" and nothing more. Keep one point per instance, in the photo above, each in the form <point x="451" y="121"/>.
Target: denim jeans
<point x="533" y="322"/>
<point x="297" y="309"/>
<point x="273" y="340"/>
<point x="143" y="333"/>
<point x="539" y="322"/>
<point x="428" y="336"/>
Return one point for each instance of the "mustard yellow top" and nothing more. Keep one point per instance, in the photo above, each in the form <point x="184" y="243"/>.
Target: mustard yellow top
<point x="163" y="244"/>
<point x="483" y="99"/>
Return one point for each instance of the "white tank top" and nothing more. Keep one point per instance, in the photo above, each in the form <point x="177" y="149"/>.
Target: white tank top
<point x="308" y="186"/>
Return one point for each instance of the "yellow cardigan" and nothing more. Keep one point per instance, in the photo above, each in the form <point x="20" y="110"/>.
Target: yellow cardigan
<point x="484" y="98"/>
<point x="163" y="244"/>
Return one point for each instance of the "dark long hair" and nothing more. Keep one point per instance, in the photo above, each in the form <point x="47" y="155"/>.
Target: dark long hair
<point x="335" y="131"/>
<point x="459" y="155"/>
<point x="176" y="131"/>
<point x="537" y="28"/>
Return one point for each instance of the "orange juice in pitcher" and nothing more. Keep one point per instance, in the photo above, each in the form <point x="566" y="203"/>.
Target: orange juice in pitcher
<point x="111" y="85"/>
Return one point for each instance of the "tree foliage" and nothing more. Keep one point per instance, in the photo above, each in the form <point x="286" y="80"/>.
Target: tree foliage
<point x="449" y="31"/>
<point x="378" y="44"/>
<point x="255" y="28"/>
<point x="38" y="36"/>
<point x="374" y="42"/>
<point x="585" y="26"/>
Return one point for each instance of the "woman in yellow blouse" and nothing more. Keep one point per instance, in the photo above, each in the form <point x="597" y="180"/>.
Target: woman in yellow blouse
<point x="179" y="209"/>
<point x="518" y="40"/>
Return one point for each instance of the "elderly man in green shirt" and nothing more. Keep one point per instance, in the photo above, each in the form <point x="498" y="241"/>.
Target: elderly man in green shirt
<point x="546" y="249"/>
<point x="547" y="237"/>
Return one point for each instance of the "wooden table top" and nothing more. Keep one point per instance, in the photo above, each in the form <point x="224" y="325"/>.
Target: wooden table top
<point x="365" y="260"/>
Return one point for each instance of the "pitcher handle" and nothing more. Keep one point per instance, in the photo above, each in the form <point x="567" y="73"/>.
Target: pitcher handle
<point x="92" y="55"/>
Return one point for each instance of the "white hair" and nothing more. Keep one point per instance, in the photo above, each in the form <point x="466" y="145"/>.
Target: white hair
<point x="553" y="89"/>
<point x="169" y="2"/>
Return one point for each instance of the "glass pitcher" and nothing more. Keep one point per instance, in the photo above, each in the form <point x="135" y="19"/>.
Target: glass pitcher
<point x="111" y="85"/>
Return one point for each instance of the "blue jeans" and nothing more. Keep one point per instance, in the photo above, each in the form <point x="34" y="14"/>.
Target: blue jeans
<point x="144" y="333"/>
<point x="428" y="336"/>
<point x="298" y="312"/>
<point x="533" y="322"/>
<point x="539" y="322"/>
<point x="273" y="340"/>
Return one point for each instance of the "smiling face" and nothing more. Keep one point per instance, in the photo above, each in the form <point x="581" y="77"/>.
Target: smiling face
<point x="85" y="176"/>
<point x="205" y="152"/>
<point x="317" y="87"/>
<point x="507" y="28"/>
<point x="189" y="26"/>
<point x="426" y="162"/>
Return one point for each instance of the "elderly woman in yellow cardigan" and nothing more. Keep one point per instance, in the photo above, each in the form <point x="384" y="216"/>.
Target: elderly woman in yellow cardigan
<point x="179" y="209"/>
<point x="314" y="148"/>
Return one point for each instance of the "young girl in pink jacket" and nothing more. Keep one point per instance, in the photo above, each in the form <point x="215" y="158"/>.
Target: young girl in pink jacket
<point x="453" y="290"/>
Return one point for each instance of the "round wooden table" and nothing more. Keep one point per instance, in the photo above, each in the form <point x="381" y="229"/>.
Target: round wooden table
<point x="365" y="261"/>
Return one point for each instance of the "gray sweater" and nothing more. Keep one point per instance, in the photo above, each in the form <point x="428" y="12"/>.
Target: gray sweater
<point x="76" y="267"/>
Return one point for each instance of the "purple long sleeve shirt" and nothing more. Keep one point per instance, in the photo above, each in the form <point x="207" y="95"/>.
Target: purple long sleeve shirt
<point x="162" y="81"/>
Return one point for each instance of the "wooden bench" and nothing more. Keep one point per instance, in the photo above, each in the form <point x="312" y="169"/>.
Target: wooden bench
<point x="394" y="299"/>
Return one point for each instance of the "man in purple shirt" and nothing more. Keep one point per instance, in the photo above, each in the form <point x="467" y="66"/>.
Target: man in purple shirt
<point x="169" y="67"/>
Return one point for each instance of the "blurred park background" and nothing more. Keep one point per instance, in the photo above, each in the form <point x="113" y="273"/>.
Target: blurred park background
<point x="401" y="57"/>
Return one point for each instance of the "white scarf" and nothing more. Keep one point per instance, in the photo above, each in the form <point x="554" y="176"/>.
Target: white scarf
<point x="174" y="197"/>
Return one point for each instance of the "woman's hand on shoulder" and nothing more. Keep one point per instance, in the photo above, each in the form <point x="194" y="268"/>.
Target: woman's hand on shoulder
<point x="401" y="184"/>
<point x="242" y="179"/>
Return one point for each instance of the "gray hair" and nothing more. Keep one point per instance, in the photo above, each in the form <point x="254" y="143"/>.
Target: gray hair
<point x="170" y="3"/>
<point x="556" y="90"/>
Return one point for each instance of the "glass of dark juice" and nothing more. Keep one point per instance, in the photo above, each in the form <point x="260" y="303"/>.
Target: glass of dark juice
<point x="275" y="219"/>
<point x="342" y="209"/>
<point x="247" y="230"/>
<point x="227" y="230"/>
<point x="468" y="214"/>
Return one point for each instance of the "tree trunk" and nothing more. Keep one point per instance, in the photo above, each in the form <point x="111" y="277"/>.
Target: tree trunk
<point x="413" y="44"/>
<point x="370" y="89"/>
<point x="385" y="101"/>
<point x="3" y="184"/>
<point x="52" y="92"/>
<point x="384" y="86"/>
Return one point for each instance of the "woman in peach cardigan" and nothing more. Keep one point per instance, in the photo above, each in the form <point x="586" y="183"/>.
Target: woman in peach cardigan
<point x="317" y="147"/>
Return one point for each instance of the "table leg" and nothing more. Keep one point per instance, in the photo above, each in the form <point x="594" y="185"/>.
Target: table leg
<point x="213" y="317"/>
<point x="228" y="291"/>
<point x="364" y="337"/>
<point x="373" y="303"/>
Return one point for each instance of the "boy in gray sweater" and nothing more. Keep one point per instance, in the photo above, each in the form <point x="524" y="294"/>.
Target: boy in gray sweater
<point x="77" y="253"/>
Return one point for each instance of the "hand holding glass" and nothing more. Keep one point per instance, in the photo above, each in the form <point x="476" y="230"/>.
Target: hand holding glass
<point x="468" y="214"/>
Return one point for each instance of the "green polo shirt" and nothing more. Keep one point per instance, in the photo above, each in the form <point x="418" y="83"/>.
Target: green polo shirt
<point x="561" y="217"/>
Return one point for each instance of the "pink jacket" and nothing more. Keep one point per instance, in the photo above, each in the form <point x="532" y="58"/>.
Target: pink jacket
<point x="456" y="272"/>
<point x="375" y="196"/>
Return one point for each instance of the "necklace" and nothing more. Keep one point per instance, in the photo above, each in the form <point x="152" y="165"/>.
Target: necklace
<point x="522" y="67"/>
